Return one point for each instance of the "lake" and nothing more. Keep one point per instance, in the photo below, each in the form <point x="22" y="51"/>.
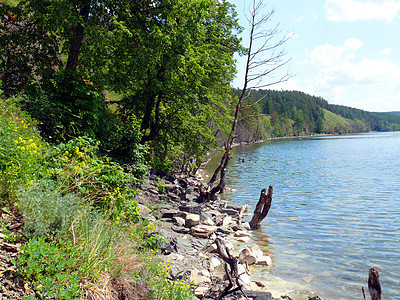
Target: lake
<point x="335" y="210"/>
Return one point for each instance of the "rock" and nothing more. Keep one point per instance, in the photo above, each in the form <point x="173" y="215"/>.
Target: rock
<point x="197" y="277"/>
<point x="226" y="221"/>
<point x="201" y="291"/>
<point x="192" y="220"/>
<point x="241" y="233"/>
<point x="214" y="262"/>
<point x="264" y="260"/>
<point x="219" y="219"/>
<point x="199" y="244"/>
<point x="191" y="207"/>
<point x="244" y="239"/>
<point x="259" y="295"/>
<point x="260" y="283"/>
<point x="238" y="227"/>
<point x="246" y="225"/>
<point x="205" y="215"/>
<point x="245" y="255"/>
<point x="208" y="222"/>
<point x="203" y="231"/>
<point x="168" y="213"/>
<point x="224" y="230"/>
<point x="256" y="251"/>
<point x="180" y="229"/>
<point x="178" y="221"/>
<point x="144" y="211"/>
<point x="172" y="188"/>
<point x="229" y="211"/>
<point x="301" y="295"/>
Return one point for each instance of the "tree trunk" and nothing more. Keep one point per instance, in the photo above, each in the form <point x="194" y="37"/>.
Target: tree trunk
<point x="76" y="43"/>
<point x="262" y="208"/>
<point x="374" y="284"/>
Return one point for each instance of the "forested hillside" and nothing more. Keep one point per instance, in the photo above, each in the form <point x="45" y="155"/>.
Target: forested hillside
<point x="271" y="113"/>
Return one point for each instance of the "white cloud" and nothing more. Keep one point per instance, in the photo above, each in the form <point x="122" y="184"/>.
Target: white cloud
<point x="328" y="54"/>
<point x="354" y="10"/>
<point x="386" y="51"/>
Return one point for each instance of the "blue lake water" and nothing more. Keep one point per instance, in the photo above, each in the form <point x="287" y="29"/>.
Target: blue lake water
<point x="335" y="211"/>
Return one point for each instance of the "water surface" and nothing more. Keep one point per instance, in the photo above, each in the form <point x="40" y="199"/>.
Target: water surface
<point x="335" y="210"/>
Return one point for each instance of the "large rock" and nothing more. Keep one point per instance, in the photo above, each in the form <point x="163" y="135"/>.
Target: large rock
<point x="178" y="221"/>
<point x="191" y="207"/>
<point x="245" y="255"/>
<point x="192" y="220"/>
<point x="203" y="231"/>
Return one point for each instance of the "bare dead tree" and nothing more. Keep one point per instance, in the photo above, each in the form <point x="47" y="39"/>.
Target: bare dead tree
<point x="374" y="284"/>
<point x="264" y="56"/>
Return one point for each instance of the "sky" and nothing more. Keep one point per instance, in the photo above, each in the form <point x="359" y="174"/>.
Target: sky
<point x="345" y="51"/>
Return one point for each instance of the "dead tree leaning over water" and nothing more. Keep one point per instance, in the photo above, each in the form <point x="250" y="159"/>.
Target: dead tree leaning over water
<point x="264" y="57"/>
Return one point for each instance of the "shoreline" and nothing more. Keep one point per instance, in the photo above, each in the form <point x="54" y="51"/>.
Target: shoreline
<point x="191" y="228"/>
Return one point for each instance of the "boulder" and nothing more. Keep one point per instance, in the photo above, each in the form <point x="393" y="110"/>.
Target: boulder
<point x="178" y="221"/>
<point x="192" y="220"/>
<point x="145" y="212"/>
<point x="226" y="221"/>
<point x="203" y="231"/>
<point x="264" y="260"/>
<point x="245" y="255"/>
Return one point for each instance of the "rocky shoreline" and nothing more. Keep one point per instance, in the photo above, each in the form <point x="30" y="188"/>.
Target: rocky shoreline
<point x="190" y="230"/>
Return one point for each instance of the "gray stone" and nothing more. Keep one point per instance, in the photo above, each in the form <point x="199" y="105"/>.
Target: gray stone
<point x="178" y="221"/>
<point x="224" y="230"/>
<point x="192" y="220"/>
<point x="301" y="295"/>
<point x="203" y="231"/>
<point x="245" y="255"/>
<point x="244" y="239"/>
<point x="144" y="211"/>
<point x="238" y="227"/>
<point x="168" y="213"/>
<point x="180" y="229"/>
<point x="191" y="207"/>
<point x="199" y="244"/>
<point x="229" y="211"/>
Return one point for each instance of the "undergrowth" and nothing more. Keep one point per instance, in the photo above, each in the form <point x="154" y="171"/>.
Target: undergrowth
<point x="82" y="222"/>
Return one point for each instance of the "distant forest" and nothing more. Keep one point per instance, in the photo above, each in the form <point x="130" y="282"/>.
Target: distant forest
<point x="271" y="113"/>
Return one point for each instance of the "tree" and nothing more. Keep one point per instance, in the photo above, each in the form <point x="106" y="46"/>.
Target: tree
<point x="264" y="57"/>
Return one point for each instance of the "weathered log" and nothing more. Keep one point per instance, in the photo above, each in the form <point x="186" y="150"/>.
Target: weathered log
<point x="374" y="284"/>
<point x="231" y="270"/>
<point x="262" y="208"/>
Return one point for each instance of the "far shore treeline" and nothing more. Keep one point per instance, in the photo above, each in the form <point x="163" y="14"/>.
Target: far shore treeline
<point x="294" y="113"/>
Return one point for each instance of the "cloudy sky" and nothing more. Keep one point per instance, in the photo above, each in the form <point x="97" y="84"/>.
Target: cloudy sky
<point x="346" y="51"/>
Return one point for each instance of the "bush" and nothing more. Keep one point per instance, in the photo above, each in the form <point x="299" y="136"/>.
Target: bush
<point x="47" y="212"/>
<point x="52" y="267"/>
<point x="21" y="149"/>
<point x="99" y="181"/>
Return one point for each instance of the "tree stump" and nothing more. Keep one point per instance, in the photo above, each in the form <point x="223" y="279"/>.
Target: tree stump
<point x="262" y="208"/>
<point x="374" y="284"/>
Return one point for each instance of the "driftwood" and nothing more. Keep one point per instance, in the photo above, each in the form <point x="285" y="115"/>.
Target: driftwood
<point x="374" y="284"/>
<point x="262" y="208"/>
<point x="231" y="270"/>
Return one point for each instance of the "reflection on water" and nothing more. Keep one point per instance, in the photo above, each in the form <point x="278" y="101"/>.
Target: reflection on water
<point x="335" y="210"/>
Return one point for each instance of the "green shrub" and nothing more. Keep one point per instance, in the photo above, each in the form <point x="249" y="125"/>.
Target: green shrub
<point x="46" y="211"/>
<point x="76" y="166"/>
<point x="21" y="149"/>
<point x="52" y="267"/>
